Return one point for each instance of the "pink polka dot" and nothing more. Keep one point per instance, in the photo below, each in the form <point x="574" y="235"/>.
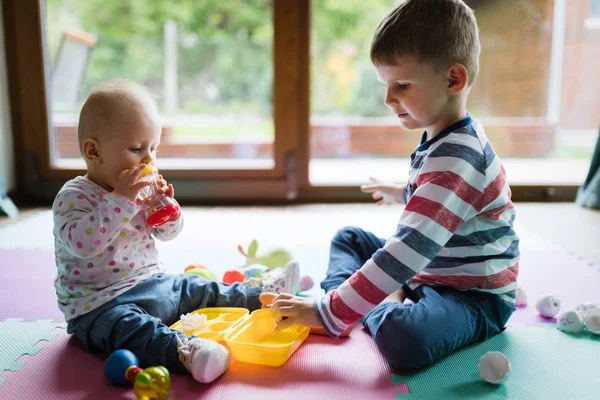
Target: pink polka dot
<point x="60" y="204"/>
<point x="102" y="230"/>
<point x="117" y="210"/>
<point x="132" y="281"/>
<point x="72" y="311"/>
<point x="148" y="246"/>
<point x="111" y="263"/>
<point x="132" y="265"/>
<point x="93" y="196"/>
<point x="126" y="246"/>
<point x="76" y="272"/>
<point x="94" y="204"/>
<point x="71" y="288"/>
<point x="97" y="243"/>
<point x="80" y="197"/>
<point x="69" y="215"/>
<point x="70" y="237"/>
<point x="79" y="245"/>
<point x="134" y="234"/>
<point x="91" y="265"/>
<point x="144" y="238"/>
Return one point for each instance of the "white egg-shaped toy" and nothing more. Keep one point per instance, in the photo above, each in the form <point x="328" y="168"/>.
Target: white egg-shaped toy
<point x="584" y="308"/>
<point x="494" y="367"/>
<point x="592" y="321"/>
<point x="570" y="321"/>
<point x="521" y="298"/>
<point x="548" y="305"/>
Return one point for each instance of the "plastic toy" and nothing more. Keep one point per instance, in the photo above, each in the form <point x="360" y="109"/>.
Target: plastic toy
<point x="233" y="275"/>
<point x="494" y="367"/>
<point x="250" y="337"/>
<point x="275" y="258"/>
<point x="548" y="305"/>
<point x="592" y="321"/>
<point x="199" y="269"/>
<point x="158" y="207"/>
<point x="192" y="322"/>
<point x="521" y="297"/>
<point x="153" y="383"/>
<point x="570" y="321"/>
<point x="583" y="309"/>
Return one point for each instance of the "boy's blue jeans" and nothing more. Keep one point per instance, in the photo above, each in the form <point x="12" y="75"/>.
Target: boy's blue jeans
<point x="139" y="319"/>
<point x="441" y="320"/>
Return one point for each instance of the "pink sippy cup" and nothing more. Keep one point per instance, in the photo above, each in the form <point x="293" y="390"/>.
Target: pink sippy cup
<point x="158" y="208"/>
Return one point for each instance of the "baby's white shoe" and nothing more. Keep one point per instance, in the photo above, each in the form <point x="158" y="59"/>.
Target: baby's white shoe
<point x="204" y="359"/>
<point x="286" y="282"/>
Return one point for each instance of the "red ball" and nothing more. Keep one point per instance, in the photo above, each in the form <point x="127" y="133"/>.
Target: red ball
<point x="232" y="276"/>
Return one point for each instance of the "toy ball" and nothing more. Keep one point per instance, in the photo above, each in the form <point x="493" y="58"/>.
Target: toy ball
<point x="592" y="321"/>
<point x="548" y="305"/>
<point x="232" y="276"/>
<point x="494" y="367"/>
<point x="116" y="365"/>
<point x="255" y="270"/>
<point x="521" y="298"/>
<point x="151" y="383"/>
<point x="570" y="321"/>
<point x="306" y="283"/>
<point x="199" y="269"/>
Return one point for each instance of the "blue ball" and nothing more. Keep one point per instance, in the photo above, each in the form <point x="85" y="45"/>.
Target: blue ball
<point x="116" y="364"/>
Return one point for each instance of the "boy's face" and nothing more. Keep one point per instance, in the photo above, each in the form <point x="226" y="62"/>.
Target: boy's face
<point x="133" y="142"/>
<point x="416" y="93"/>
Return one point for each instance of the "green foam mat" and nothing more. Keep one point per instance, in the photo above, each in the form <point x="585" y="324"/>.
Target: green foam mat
<point x="18" y="338"/>
<point x="545" y="364"/>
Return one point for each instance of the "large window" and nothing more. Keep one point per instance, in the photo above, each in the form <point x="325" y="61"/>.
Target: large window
<point x="536" y="92"/>
<point x="209" y="64"/>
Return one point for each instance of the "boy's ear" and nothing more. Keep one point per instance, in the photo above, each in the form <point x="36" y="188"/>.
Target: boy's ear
<point x="457" y="77"/>
<point x="91" y="150"/>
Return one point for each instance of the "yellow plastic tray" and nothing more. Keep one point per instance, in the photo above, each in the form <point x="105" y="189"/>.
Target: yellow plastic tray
<point x="218" y="322"/>
<point x="253" y="341"/>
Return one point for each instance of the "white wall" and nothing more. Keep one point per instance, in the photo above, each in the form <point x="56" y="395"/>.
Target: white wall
<point x="6" y="140"/>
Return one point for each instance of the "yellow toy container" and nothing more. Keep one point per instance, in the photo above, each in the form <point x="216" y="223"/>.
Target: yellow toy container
<point x="250" y="337"/>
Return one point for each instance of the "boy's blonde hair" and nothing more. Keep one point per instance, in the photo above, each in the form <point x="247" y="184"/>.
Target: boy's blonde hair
<point x="111" y="103"/>
<point x="442" y="32"/>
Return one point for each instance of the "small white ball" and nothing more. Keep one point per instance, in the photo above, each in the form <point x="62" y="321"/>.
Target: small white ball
<point x="592" y="321"/>
<point x="584" y="308"/>
<point x="494" y="367"/>
<point x="570" y="321"/>
<point x="548" y="305"/>
<point x="521" y="298"/>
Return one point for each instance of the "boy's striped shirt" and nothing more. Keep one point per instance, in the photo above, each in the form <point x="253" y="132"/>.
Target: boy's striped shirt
<point x="456" y="229"/>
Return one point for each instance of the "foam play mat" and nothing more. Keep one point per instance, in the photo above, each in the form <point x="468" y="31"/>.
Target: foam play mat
<point x="50" y="364"/>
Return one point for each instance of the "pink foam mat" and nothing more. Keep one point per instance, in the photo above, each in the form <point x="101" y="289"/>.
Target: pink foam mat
<point x="321" y="367"/>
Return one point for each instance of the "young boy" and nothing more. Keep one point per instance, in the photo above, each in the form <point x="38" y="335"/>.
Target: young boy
<point x="454" y="253"/>
<point x="111" y="284"/>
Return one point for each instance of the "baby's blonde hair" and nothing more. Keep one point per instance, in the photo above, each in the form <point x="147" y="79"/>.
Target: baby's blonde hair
<point x="442" y="32"/>
<point x="109" y="104"/>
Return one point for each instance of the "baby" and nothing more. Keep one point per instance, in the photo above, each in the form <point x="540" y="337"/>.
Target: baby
<point x="110" y="284"/>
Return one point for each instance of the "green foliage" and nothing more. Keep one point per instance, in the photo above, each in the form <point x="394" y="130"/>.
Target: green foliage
<point x="225" y="50"/>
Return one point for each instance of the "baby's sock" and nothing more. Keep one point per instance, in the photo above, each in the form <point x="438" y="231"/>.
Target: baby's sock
<point x="286" y="282"/>
<point x="204" y="359"/>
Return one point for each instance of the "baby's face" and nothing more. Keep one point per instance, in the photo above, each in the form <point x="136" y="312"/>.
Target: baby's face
<point x="415" y="92"/>
<point x="134" y="141"/>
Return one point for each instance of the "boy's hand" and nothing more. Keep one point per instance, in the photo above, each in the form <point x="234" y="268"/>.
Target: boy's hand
<point x="384" y="192"/>
<point x="288" y="310"/>
<point x="128" y="184"/>
<point x="164" y="188"/>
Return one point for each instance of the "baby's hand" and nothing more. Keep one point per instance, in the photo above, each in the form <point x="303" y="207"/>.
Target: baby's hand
<point x="288" y="310"/>
<point x="128" y="184"/>
<point x="164" y="188"/>
<point x="384" y="192"/>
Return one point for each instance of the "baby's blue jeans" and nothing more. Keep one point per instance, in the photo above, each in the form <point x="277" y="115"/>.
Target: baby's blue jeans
<point x="139" y="319"/>
<point x="440" y="321"/>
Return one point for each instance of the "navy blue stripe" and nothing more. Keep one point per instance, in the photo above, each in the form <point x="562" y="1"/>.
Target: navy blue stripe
<point x="417" y="241"/>
<point x="322" y="321"/>
<point x="391" y="266"/>
<point x="467" y="130"/>
<point x="489" y="154"/>
<point x="418" y="161"/>
<point x="480" y="238"/>
<point x="445" y="132"/>
<point x="452" y="262"/>
<point x="466" y="153"/>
